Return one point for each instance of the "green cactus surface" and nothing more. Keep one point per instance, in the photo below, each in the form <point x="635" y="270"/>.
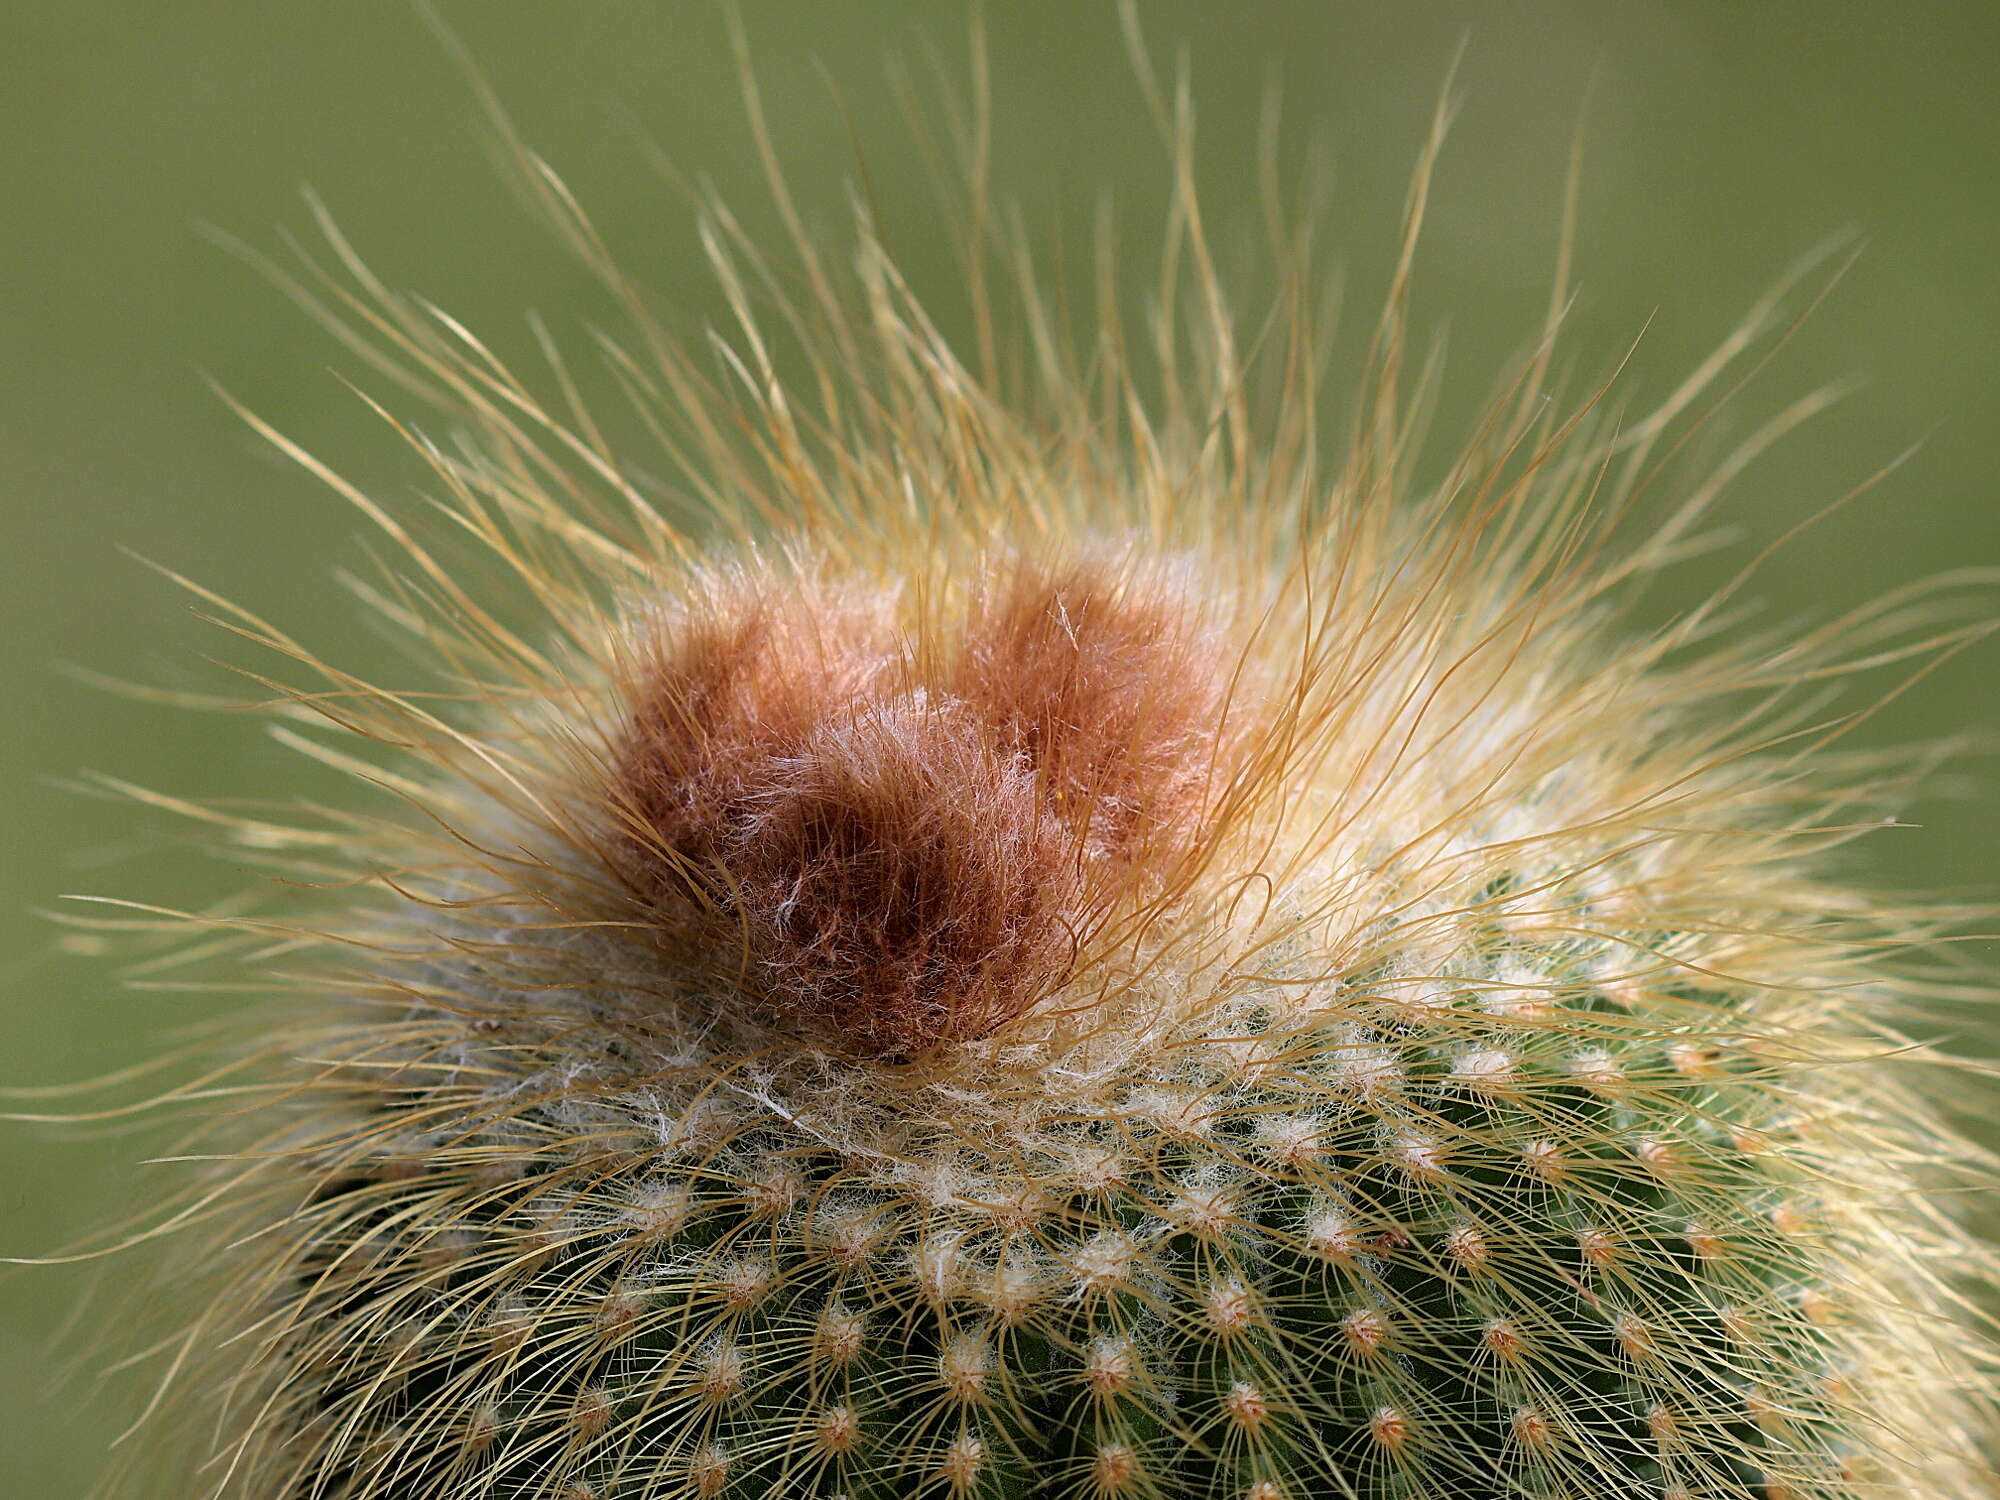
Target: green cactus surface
<point x="1509" y="1228"/>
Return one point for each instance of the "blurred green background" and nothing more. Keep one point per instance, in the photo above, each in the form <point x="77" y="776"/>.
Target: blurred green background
<point x="1725" y="139"/>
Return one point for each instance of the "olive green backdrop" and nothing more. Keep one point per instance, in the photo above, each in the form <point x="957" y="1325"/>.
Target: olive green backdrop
<point x="1725" y="139"/>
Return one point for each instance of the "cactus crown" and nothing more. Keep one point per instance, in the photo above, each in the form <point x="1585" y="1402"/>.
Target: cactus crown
<point x="1055" y="940"/>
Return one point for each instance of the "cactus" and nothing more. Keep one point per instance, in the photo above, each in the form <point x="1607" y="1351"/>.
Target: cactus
<point x="1038" y="935"/>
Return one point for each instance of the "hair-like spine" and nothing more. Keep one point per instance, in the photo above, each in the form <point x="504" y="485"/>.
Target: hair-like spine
<point x="1077" y="932"/>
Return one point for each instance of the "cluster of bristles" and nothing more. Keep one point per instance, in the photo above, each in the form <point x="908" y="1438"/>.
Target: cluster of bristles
<point x="1492" y="1230"/>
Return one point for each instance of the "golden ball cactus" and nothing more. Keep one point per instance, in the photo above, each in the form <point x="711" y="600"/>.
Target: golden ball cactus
<point x="1062" y="925"/>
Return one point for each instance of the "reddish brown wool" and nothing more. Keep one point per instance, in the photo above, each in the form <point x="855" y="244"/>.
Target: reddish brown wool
<point x="905" y="862"/>
<point x="1107" y="689"/>
<point x="900" y="883"/>
<point x="737" y="680"/>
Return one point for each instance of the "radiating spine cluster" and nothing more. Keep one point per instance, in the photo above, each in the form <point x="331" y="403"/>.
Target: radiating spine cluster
<point x="1533" y="1228"/>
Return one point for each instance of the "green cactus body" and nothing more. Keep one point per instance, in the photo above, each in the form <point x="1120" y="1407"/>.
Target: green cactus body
<point x="1521" y="1226"/>
<point x="1005" y="935"/>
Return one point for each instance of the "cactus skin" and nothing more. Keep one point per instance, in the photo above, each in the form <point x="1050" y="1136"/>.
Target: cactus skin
<point x="1419" y="1060"/>
<point x="1375" y="1249"/>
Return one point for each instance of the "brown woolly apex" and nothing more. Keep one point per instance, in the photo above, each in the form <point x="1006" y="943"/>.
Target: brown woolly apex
<point x="908" y="828"/>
